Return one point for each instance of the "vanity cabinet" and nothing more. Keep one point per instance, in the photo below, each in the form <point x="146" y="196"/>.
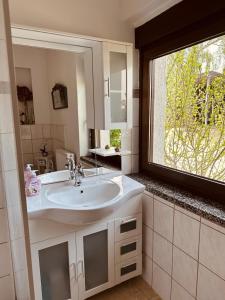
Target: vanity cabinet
<point x="113" y="87"/>
<point x="89" y="259"/>
<point x="76" y="266"/>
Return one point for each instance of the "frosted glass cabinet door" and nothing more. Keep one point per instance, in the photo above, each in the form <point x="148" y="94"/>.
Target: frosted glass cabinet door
<point x="118" y="85"/>
<point x="95" y="259"/>
<point x="54" y="269"/>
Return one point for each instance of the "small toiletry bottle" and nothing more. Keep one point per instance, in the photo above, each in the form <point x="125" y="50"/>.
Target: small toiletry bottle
<point x="34" y="186"/>
<point x="32" y="182"/>
<point x="27" y="172"/>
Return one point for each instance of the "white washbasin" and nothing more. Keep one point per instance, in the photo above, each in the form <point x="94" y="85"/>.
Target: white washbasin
<point x="54" y="177"/>
<point x="64" y="175"/>
<point x="90" y="196"/>
<point x="96" y="198"/>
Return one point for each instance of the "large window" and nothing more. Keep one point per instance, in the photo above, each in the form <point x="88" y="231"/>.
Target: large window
<point x="188" y="109"/>
<point x="182" y="97"/>
<point x="188" y="91"/>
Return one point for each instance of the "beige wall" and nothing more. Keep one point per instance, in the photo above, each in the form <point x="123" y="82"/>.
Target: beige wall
<point x="137" y="12"/>
<point x="62" y="69"/>
<point x="99" y="18"/>
<point x="35" y="59"/>
<point x="49" y="67"/>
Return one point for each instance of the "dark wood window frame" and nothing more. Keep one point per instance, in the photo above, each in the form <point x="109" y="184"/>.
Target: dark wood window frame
<point x="175" y="29"/>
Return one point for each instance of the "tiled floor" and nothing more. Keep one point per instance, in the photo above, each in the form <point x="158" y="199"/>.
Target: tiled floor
<point x="134" y="289"/>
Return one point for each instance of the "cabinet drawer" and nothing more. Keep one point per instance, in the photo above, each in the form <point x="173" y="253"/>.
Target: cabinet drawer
<point x="128" y="248"/>
<point x="128" y="269"/>
<point x="128" y="227"/>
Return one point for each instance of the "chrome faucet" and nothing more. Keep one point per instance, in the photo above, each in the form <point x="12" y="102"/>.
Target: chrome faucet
<point x="76" y="171"/>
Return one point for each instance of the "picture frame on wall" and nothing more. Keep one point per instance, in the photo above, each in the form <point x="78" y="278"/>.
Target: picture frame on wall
<point x="59" y="96"/>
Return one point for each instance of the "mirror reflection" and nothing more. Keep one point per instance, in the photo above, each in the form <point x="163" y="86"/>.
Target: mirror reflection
<point x="51" y="90"/>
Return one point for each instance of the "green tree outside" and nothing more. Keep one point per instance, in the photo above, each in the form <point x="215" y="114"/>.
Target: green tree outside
<point x="195" y="110"/>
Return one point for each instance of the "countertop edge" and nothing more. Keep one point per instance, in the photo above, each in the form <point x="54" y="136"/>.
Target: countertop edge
<point x="203" y="207"/>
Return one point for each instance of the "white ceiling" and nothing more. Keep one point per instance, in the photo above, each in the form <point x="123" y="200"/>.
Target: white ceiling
<point x="138" y="12"/>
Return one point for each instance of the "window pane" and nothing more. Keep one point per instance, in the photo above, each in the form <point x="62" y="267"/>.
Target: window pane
<point x="189" y="109"/>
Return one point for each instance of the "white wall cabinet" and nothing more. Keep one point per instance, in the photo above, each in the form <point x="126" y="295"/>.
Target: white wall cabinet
<point x="88" y="261"/>
<point x="112" y="86"/>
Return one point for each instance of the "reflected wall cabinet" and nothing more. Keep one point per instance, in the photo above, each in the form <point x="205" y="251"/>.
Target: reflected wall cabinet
<point x="113" y="86"/>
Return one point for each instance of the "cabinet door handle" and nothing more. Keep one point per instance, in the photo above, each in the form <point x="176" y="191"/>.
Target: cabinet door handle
<point x="107" y="80"/>
<point x="82" y="268"/>
<point x="74" y="270"/>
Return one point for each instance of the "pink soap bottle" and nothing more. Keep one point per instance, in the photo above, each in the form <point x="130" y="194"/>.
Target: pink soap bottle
<point x="34" y="186"/>
<point x="32" y="182"/>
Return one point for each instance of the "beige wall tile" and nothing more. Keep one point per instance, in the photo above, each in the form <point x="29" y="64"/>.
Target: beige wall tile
<point x="2" y="193"/>
<point x="126" y="164"/>
<point x="12" y="187"/>
<point x="13" y="204"/>
<point x="135" y="140"/>
<point x="4" y="74"/>
<point x="15" y="222"/>
<point x="188" y="213"/>
<point x="49" y="143"/>
<point x="2" y="25"/>
<point x="147" y="210"/>
<point x="161" y="282"/>
<point x="7" y="288"/>
<point x="37" y="145"/>
<point x="5" y="260"/>
<point x="162" y="253"/>
<point x="135" y="163"/>
<point x="212" y="250"/>
<point x="47" y="133"/>
<point x="164" y="201"/>
<point x="179" y="293"/>
<point x="36" y="131"/>
<point x="147" y="240"/>
<point x="186" y="234"/>
<point x="126" y="140"/>
<point x="8" y="151"/>
<point x="18" y="251"/>
<point x="213" y="225"/>
<point x="163" y="220"/>
<point x="25" y="132"/>
<point x="28" y="159"/>
<point x="27" y="147"/>
<point x="185" y="270"/>
<point x="147" y="269"/>
<point x="135" y="112"/>
<point x="210" y="286"/>
<point x="4" y="234"/>
<point x="6" y="115"/>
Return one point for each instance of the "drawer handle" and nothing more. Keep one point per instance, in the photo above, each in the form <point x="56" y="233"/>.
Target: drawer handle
<point x="128" y="221"/>
<point x="128" y="269"/>
<point x="128" y="225"/>
<point x="127" y="248"/>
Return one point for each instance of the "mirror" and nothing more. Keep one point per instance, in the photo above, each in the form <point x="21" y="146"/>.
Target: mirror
<point x="52" y="88"/>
